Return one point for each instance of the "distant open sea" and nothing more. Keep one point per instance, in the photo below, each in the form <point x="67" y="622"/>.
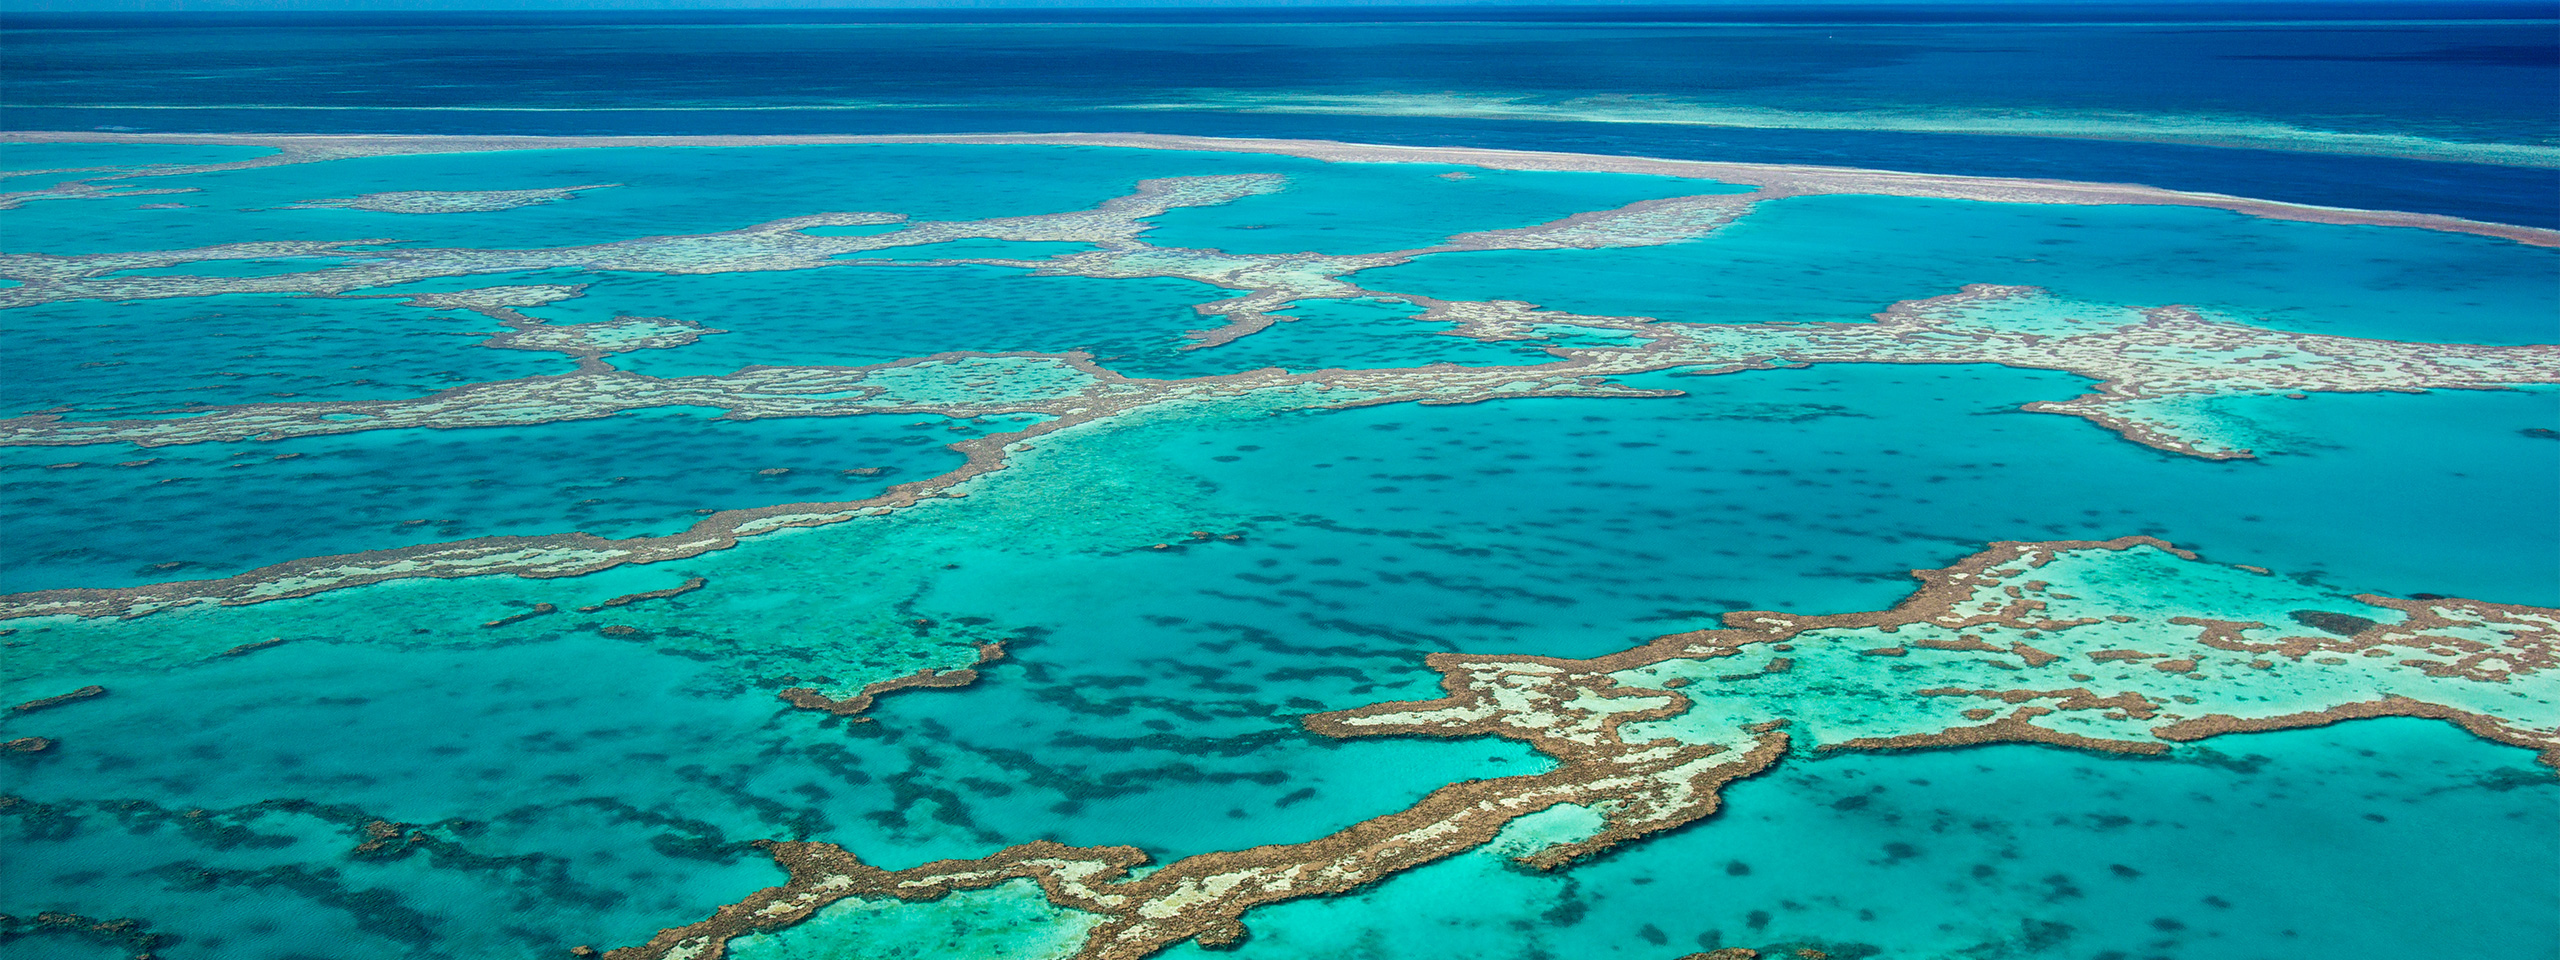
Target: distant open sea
<point x="2445" y="107"/>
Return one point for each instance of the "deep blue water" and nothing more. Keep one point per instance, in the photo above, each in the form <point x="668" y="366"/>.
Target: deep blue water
<point x="2448" y="76"/>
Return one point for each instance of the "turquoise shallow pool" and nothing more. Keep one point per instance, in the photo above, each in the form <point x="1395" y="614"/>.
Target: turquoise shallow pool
<point x="487" y="747"/>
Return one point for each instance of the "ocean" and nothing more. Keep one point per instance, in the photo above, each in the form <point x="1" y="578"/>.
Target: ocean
<point x="486" y="538"/>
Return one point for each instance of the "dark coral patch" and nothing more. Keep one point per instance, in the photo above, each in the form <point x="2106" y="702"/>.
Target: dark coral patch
<point x="2344" y="625"/>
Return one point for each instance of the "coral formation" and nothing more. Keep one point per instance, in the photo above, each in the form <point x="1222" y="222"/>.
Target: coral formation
<point x="1650" y="735"/>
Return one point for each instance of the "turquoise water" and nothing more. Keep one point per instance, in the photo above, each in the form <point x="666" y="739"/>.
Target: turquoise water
<point x="1572" y="527"/>
<point x="1834" y="258"/>
<point x="859" y="314"/>
<point x="1119" y="703"/>
<point x="1177" y="586"/>
<point x="117" y="514"/>
<point x="1333" y="334"/>
<point x="106" y="360"/>
<point x="593" y="810"/>
<point x="2296" y="844"/>
<point x="527" y="782"/>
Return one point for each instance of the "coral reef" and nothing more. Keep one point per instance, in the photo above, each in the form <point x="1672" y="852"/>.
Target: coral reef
<point x="1649" y="736"/>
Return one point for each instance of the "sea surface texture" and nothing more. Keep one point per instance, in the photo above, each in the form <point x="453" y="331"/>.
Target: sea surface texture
<point x="1477" y="490"/>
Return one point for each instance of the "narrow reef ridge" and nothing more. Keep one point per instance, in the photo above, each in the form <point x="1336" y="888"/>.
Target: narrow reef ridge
<point x="2127" y="646"/>
<point x="689" y="585"/>
<point x="1773" y="179"/>
<point x="450" y="201"/>
<point x="84" y="693"/>
<point x="811" y="698"/>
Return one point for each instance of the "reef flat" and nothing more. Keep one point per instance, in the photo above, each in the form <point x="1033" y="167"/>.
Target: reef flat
<point x="1065" y="545"/>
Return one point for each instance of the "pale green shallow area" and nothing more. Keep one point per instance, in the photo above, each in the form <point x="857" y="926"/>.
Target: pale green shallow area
<point x="1151" y="696"/>
<point x="1840" y="693"/>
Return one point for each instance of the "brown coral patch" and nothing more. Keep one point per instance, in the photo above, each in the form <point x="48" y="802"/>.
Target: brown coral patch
<point x="809" y="698"/>
<point x="2106" y="656"/>
<point x="2033" y="656"/>
<point x="539" y="609"/>
<point x="690" y="585"/>
<point x="84" y="693"/>
<point x="249" y="648"/>
<point x="126" y="934"/>
<point x="1199" y="898"/>
<point x="1968" y="642"/>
